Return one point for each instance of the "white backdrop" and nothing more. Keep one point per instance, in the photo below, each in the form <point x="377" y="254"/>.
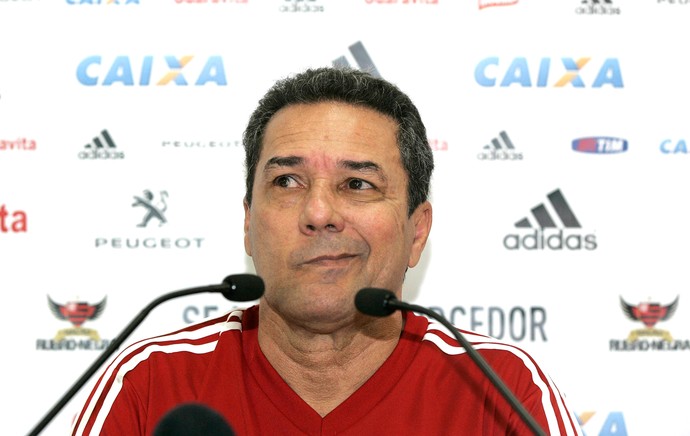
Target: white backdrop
<point x="71" y="69"/>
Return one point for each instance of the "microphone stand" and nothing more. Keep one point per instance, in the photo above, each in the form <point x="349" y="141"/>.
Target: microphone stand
<point x="226" y="287"/>
<point x="394" y="303"/>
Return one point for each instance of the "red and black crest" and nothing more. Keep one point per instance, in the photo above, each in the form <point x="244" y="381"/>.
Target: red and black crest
<point x="649" y="313"/>
<point x="76" y="312"/>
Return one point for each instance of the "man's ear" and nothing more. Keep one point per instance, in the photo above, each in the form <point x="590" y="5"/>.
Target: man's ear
<point x="247" y="215"/>
<point x="422" y="218"/>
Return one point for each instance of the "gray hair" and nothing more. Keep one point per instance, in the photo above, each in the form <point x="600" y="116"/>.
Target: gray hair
<point x="357" y="88"/>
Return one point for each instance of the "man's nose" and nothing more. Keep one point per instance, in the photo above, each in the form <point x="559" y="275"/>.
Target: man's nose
<point x="320" y="211"/>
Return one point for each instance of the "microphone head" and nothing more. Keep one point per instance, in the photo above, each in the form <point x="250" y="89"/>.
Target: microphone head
<point x="192" y="419"/>
<point x="374" y="301"/>
<point x="243" y="287"/>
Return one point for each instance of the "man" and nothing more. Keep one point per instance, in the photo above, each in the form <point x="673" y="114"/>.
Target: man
<point x="338" y="172"/>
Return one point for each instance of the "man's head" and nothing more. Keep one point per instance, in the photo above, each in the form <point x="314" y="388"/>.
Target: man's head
<point x="333" y="205"/>
<point x="356" y="88"/>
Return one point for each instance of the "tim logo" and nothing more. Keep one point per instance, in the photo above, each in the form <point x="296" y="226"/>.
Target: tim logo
<point x="12" y="221"/>
<point x="649" y="338"/>
<point x="101" y="147"/>
<point x="600" y="145"/>
<point x="489" y="3"/>
<point x="500" y="148"/>
<point x="492" y="72"/>
<point x="154" y="209"/>
<point x="364" y="62"/>
<point x="77" y="313"/>
<point x="94" y="70"/>
<point x="547" y="235"/>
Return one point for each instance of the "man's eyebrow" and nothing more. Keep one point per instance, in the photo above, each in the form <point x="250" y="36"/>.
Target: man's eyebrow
<point x="283" y="161"/>
<point x="364" y="166"/>
<point x="357" y="165"/>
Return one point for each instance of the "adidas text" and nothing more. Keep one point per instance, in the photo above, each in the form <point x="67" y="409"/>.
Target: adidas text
<point x="540" y="240"/>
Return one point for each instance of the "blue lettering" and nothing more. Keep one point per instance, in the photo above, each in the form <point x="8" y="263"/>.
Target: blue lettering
<point x="145" y="77"/>
<point x="681" y="147"/>
<point x="121" y="71"/>
<point x="480" y="72"/>
<point x="213" y="71"/>
<point x="82" y="73"/>
<point x="614" y="425"/>
<point x="543" y="77"/>
<point x="609" y="73"/>
<point x="518" y="72"/>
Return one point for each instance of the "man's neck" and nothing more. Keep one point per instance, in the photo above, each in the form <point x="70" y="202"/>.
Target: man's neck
<point x="325" y="368"/>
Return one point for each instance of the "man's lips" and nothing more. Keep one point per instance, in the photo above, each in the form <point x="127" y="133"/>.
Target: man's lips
<point x="327" y="260"/>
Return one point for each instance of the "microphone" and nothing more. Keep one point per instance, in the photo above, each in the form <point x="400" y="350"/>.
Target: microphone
<point x="192" y="419"/>
<point x="382" y="302"/>
<point x="237" y="287"/>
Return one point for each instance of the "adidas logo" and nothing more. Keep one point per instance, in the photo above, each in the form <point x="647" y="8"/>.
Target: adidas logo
<point x="548" y="216"/>
<point x="500" y="148"/>
<point x="101" y="147"/>
<point x="597" y="7"/>
<point x="364" y="62"/>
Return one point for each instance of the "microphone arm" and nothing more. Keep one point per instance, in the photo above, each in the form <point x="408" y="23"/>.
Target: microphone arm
<point x="238" y="287"/>
<point x="382" y="302"/>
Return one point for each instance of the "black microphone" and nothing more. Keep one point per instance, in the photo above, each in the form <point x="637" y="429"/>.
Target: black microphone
<point x="382" y="302"/>
<point x="192" y="419"/>
<point x="237" y="287"/>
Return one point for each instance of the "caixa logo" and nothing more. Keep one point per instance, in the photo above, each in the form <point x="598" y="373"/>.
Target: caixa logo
<point x="670" y="146"/>
<point x="492" y="71"/>
<point x="95" y="70"/>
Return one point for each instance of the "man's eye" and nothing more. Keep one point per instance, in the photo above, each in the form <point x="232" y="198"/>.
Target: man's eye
<point x="284" y="181"/>
<point x="358" y="184"/>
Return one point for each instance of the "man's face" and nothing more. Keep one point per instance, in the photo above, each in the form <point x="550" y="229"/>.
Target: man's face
<point x="329" y="211"/>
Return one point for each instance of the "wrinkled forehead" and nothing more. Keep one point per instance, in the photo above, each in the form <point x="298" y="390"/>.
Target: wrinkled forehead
<point x="331" y="130"/>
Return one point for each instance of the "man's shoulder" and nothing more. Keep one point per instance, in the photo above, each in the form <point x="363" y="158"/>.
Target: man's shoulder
<point x="196" y="339"/>
<point x="437" y="336"/>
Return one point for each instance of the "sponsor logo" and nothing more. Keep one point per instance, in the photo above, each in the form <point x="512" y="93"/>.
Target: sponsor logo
<point x="197" y="2"/>
<point x="671" y="146"/>
<point x="77" y="313"/>
<point x="649" y="338"/>
<point x="597" y="7"/>
<point x="361" y="57"/>
<point x="489" y="3"/>
<point x="609" y="424"/>
<point x="177" y="144"/>
<point x="153" y="208"/>
<point x="22" y="144"/>
<point x="102" y="2"/>
<point x="301" y="6"/>
<point x="518" y="72"/>
<point x="438" y="144"/>
<point x="94" y="70"/>
<point x="101" y="147"/>
<point x="12" y="221"/>
<point x="547" y="234"/>
<point x="600" y="145"/>
<point x="403" y="2"/>
<point x="500" y="148"/>
<point x="152" y="211"/>
<point x="518" y="323"/>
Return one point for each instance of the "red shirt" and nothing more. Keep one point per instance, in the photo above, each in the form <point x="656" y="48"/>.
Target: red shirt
<point x="427" y="386"/>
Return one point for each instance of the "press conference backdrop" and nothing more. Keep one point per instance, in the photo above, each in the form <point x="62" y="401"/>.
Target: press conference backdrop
<point x="561" y="215"/>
